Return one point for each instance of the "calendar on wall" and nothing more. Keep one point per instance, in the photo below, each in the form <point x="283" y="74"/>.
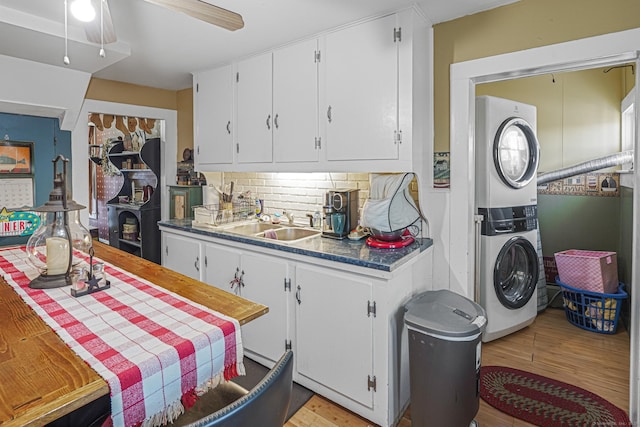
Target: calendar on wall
<point x="16" y="174"/>
<point x="16" y="193"/>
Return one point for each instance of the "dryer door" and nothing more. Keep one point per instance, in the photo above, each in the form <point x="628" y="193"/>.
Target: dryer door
<point x="516" y="152"/>
<point x="516" y="273"/>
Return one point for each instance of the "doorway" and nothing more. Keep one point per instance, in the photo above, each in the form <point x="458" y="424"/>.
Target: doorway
<point x="607" y="50"/>
<point x="109" y="133"/>
<point x="580" y="118"/>
<point x="169" y="131"/>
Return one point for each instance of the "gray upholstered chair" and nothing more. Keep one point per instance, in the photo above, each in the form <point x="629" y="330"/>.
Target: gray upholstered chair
<point x="265" y="405"/>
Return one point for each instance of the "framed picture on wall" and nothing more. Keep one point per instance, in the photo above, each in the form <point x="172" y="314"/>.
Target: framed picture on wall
<point x="16" y="158"/>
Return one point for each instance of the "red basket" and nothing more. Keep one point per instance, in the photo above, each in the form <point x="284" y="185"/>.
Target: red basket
<point x="594" y="271"/>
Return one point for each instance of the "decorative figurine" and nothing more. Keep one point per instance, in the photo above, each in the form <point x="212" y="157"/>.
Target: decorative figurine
<point x="92" y="282"/>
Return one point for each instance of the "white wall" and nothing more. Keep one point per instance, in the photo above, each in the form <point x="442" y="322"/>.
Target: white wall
<point x="42" y="90"/>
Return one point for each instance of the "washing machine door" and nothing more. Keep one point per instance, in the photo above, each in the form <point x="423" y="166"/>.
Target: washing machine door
<point x="516" y="152"/>
<point x="516" y="272"/>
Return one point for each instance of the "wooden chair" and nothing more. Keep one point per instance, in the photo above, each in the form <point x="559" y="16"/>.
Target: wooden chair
<point x="265" y="405"/>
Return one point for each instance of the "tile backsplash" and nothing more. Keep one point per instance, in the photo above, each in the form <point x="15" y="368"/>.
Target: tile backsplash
<point x="298" y="193"/>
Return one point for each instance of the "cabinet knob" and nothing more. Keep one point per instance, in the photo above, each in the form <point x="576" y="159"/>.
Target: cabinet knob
<point x="275" y="121"/>
<point x="229" y="127"/>
<point x="197" y="263"/>
<point x="269" y="122"/>
<point x="298" y="295"/>
<point x="329" y="114"/>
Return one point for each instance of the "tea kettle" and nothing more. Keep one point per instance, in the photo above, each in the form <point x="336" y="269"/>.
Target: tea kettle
<point x="147" y="191"/>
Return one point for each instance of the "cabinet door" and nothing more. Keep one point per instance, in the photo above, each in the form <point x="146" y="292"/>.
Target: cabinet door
<point x="222" y="264"/>
<point x="264" y="283"/>
<point x="295" y="103"/>
<point x="181" y="254"/>
<point x="255" y="120"/>
<point x="361" y="89"/>
<point x="112" y="218"/>
<point x="213" y="99"/>
<point x="179" y="206"/>
<point x="334" y="333"/>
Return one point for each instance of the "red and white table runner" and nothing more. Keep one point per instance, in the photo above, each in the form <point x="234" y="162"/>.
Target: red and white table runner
<point x="152" y="346"/>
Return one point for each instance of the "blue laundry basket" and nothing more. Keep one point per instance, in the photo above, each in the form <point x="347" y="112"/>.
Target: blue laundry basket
<point x="592" y="311"/>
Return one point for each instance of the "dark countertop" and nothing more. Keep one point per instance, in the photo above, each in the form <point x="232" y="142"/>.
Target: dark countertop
<point x="346" y="251"/>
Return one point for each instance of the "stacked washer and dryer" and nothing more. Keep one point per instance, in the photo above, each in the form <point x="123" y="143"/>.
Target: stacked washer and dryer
<point x="507" y="155"/>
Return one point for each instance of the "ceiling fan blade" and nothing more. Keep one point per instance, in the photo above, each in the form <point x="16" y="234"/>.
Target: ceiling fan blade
<point x="92" y="29"/>
<point x="205" y="12"/>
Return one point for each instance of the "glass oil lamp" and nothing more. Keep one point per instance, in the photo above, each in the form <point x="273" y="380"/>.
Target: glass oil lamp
<point x="50" y="248"/>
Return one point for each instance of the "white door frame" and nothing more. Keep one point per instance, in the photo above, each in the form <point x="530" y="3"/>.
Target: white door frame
<point x="592" y="52"/>
<point x="80" y="150"/>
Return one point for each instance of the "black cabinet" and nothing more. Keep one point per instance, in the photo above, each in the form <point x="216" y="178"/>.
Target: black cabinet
<point x="135" y="230"/>
<point x="133" y="223"/>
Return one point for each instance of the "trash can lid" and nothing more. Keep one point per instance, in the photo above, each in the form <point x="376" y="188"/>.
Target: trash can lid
<point x="446" y="314"/>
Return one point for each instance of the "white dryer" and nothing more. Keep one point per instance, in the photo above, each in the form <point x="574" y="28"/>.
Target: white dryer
<point x="508" y="269"/>
<point x="507" y="153"/>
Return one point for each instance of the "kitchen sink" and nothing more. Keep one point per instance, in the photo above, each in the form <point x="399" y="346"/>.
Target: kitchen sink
<point x="289" y="234"/>
<point x="253" y="228"/>
<point x="265" y="230"/>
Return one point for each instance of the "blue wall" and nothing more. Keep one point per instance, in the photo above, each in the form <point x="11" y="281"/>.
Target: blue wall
<point x="49" y="141"/>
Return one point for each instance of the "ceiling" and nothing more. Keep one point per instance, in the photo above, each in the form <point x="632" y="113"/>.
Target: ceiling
<point x="160" y="48"/>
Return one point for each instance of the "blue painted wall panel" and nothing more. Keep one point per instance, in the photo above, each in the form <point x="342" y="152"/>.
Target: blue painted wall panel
<point x="49" y="141"/>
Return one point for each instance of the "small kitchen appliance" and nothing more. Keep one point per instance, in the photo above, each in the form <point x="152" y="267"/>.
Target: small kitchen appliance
<point x="390" y="212"/>
<point x="340" y="213"/>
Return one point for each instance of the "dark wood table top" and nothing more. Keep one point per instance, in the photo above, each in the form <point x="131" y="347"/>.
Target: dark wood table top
<point x="41" y="379"/>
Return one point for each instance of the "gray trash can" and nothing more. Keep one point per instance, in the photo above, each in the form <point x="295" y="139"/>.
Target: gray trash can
<point x="445" y="332"/>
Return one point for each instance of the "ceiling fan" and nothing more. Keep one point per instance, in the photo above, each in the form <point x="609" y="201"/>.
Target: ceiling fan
<point x="101" y="30"/>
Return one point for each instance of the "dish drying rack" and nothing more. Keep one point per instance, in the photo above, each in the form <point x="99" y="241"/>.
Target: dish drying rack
<point x="222" y="213"/>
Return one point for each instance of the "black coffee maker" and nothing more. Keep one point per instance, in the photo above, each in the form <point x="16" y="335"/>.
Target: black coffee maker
<point x="340" y="213"/>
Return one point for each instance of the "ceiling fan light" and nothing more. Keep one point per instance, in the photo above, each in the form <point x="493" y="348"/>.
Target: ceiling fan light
<point x="83" y="10"/>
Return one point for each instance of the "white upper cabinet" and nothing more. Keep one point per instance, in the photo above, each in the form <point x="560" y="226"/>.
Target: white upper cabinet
<point x="360" y="66"/>
<point x="213" y="112"/>
<point x="295" y="103"/>
<point x="254" y="93"/>
<point x="357" y="99"/>
<point x="277" y="106"/>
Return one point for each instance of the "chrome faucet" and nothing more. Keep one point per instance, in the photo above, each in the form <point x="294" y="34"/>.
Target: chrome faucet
<point x="289" y="216"/>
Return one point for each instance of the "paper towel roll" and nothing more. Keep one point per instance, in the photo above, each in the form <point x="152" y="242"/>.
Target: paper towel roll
<point x="210" y="195"/>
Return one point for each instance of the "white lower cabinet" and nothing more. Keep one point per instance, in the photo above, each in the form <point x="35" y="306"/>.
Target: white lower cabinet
<point x="345" y="323"/>
<point x="257" y="278"/>
<point x="334" y="331"/>
<point x="264" y="281"/>
<point x="181" y="254"/>
<point x="222" y="266"/>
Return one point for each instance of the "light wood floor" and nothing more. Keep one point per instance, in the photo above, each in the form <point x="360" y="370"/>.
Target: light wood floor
<point x="551" y="346"/>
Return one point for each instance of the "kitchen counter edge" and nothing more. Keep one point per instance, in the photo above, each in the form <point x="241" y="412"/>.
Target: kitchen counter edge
<point x="344" y="251"/>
